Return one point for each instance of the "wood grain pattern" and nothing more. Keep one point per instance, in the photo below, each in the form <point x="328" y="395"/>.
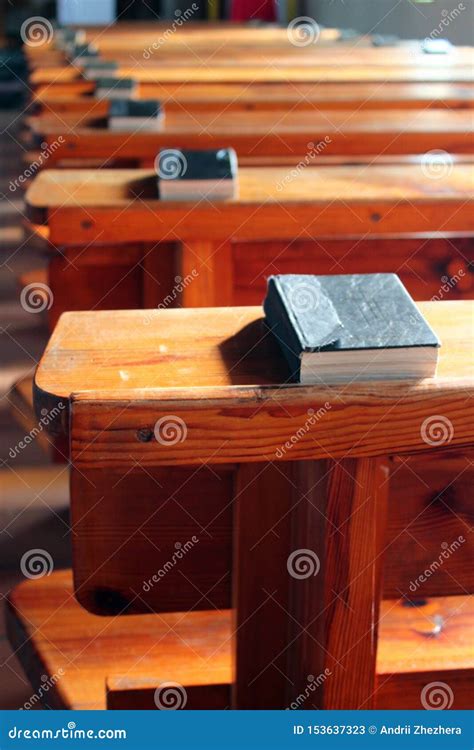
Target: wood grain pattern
<point x="273" y="73"/>
<point x="355" y="513"/>
<point x="261" y="585"/>
<point x="180" y="520"/>
<point x="225" y="354"/>
<point x="70" y="100"/>
<point x="120" y="205"/>
<point x="54" y="635"/>
<point x="272" y="134"/>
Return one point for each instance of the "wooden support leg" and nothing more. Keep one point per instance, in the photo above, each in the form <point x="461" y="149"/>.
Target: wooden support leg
<point x="205" y="271"/>
<point x="307" y="566"/>
<point x="337" y="639"/>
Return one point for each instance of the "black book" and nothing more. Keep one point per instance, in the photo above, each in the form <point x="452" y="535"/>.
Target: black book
<point x="436" y="46"/>
<point x="115" y="88"/>
<point x="337" y="329"/>
<point x="81" y="51"/>
<point x="93" y="68"/>
<point x="385" y="40"/>
<point x="135" y="114"/>
<point x="193" y="175"/>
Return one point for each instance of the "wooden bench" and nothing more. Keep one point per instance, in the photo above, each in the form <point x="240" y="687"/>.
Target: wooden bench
<point x="217" y="375"/>
<point x="285" y="136"/>
<point x="97" y="660"/>
<point x="347" y="219"/>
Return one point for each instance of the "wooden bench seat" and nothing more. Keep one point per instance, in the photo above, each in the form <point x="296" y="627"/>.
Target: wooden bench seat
<point x="277" y="134"/>
<point x="126" y="365"/>
<point x="250" y="96"/>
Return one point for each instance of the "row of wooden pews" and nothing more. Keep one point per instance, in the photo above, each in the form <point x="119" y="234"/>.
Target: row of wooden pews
<point x="184" y="513"/>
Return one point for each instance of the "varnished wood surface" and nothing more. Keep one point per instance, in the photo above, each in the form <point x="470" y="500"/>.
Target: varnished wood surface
<point x="250" y="96"/>
<point x="271" y="73"/>
<point x="273" y="133"/>
<point x="203" y="360"/>
<point x="56" y="636"/>
<point x="81" y="206"/>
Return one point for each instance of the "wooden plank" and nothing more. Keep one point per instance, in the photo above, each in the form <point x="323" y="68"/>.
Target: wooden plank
<point x="428" y="545"/>
<point x="272" y="134"/>
<point x="120" y="205"/>
<point x="54" y="635"/>
<point x="67" y="99"/>
<point x="180" y="520"/>
<point x="261" y="585"/>
<point x="232" y="364"/>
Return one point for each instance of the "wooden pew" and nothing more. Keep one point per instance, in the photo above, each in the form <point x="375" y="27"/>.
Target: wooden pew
<point x="347" y="219"/>
<point x="282" y="135"/>
<point x="106" y="653"/>
<point x="252" y="96"/>
<point x="230" y="364"/>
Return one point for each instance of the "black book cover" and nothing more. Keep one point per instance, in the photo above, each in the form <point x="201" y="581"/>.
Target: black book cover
<point x="122" y="84"/>
<point x="134" y="108"/>
<point x="103" y="65"/>
<point x="203" y="165"/>
<point x="343" y="312"/>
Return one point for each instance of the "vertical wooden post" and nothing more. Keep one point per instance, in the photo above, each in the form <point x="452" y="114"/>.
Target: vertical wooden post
<point x="307" y="586"/>
<point x="205" y="269"/>
<point x="262" y="527"/>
